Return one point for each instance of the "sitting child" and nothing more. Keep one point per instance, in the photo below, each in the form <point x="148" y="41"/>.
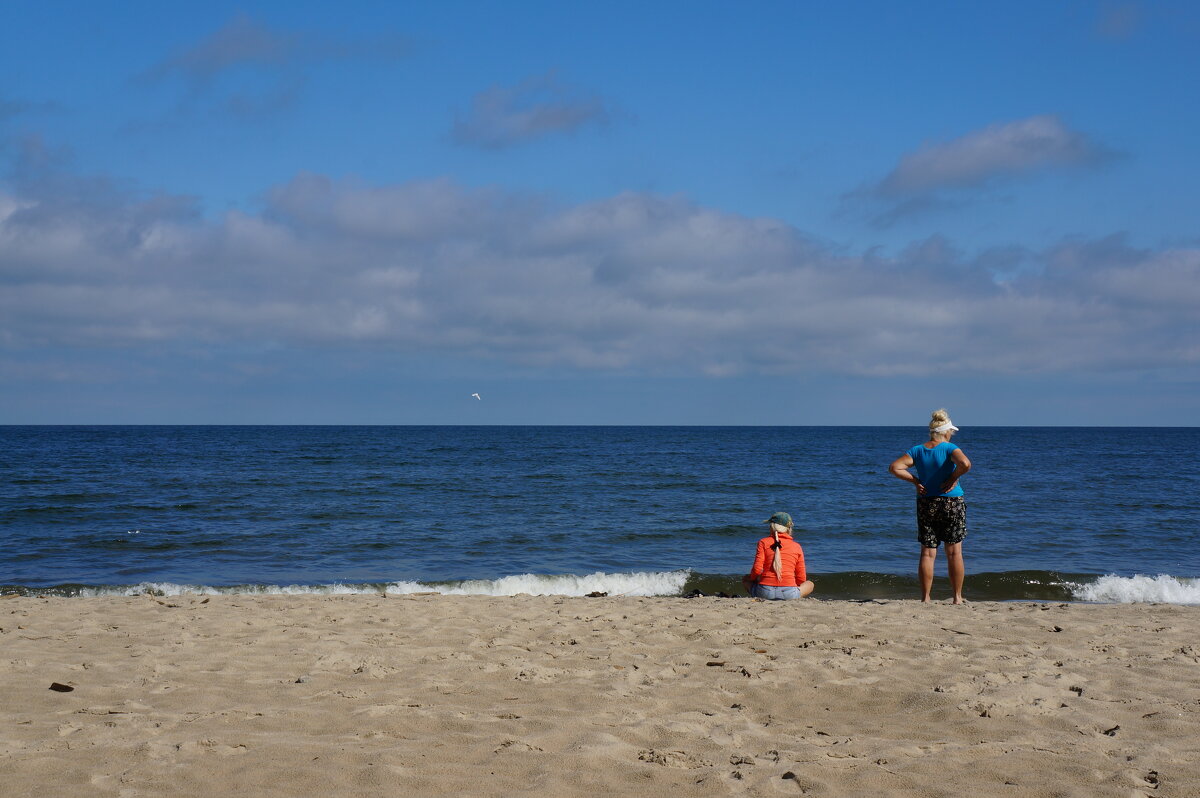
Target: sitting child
<point x="778" y="571"/>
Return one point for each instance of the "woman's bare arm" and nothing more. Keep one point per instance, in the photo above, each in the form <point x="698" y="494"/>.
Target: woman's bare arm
<point x="962" y="465"/>
<point x="899" y="470"/>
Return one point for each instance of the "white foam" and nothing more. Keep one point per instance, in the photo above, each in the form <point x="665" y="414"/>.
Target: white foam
<point x="173" y="589"/>
<point x="1163" y="589"/>
<point x="646" y="583"/>
<point x="154" y="588"/>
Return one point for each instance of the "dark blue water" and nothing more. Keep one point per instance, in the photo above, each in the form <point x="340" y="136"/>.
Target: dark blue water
<point x="224" y="506"/>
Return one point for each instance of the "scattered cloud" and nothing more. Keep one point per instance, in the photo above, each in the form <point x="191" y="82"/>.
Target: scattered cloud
<point x="1118" y="20"/>
<point x="898" y="210"/>
<point x="539" y="106"/>
<point x="239" y="42"/>
<point x="244" y="41"/>
<point x="279" y="58"/>
<point x="950" y="174"/>
<point x="1004" y="150"/>
<point x="634" y="283"/>
<point x="10" y="109"/>
<point x="269" y="102"/>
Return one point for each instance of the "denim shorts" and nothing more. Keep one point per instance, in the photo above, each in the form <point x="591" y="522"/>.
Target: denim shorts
<point x="774" y="593"/>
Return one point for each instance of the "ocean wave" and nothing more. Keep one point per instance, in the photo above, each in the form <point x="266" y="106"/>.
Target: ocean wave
<point x="646" y="583"/>
<point x="1164" y="589"/>
<point x="852" y="586"/>
<point x="643" y="583"/>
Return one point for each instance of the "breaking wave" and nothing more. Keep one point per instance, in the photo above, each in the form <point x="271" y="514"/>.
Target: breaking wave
<point x="662" y="583"/>
<point x="851" y="585"/>
<point x="1163" y="589"/>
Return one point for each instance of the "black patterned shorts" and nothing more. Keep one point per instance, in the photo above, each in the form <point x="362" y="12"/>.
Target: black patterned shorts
<point x="941" y="519"/>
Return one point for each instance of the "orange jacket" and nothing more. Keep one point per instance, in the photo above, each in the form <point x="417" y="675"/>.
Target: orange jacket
<point x="791" y="555"/>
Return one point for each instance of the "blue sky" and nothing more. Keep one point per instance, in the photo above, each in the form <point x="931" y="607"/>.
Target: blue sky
<point x="693" y="213"/>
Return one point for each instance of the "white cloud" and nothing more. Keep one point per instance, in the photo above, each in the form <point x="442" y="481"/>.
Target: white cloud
<point x="636" y="282"/>
<point x="243" y="41"/>
<point x="538" y="106"/>
<point x="239" y="41"/>
<point x="280" y="58"/>
<point x="998" y="151"/>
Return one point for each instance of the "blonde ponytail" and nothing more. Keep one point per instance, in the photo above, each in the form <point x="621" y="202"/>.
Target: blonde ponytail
<point x="777" y="562"/>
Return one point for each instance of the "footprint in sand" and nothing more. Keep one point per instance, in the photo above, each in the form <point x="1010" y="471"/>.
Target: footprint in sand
<point x="673" y="759"/>
<point x="210" y="746"/>
<point x="515" y="745"/>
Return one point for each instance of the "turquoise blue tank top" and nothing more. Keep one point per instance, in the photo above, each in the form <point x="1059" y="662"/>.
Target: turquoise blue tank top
<point x="934" y="467"/>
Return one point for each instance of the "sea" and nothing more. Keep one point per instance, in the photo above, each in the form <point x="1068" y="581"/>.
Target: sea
<point x="1081" y="514"/>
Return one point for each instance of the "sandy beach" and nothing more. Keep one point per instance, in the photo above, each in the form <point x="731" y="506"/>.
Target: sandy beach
<point x="439" y="695"/>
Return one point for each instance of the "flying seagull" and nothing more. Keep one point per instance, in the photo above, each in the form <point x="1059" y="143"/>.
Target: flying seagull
<point x="477" y="396"/>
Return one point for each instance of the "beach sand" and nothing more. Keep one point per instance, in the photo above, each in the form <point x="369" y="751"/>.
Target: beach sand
<point x="459" y="695"/>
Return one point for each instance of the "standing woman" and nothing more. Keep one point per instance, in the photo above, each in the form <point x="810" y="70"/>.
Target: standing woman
<point x="941" y="509"/>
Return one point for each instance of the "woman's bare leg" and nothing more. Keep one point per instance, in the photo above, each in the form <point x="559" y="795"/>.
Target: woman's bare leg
<point x="954" y="564"/>
<point x="925" y="571"/>
<point x="806" y="588"/>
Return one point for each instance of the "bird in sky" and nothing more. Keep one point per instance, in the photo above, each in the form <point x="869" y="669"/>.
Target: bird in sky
<point x="477" y="396"/>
